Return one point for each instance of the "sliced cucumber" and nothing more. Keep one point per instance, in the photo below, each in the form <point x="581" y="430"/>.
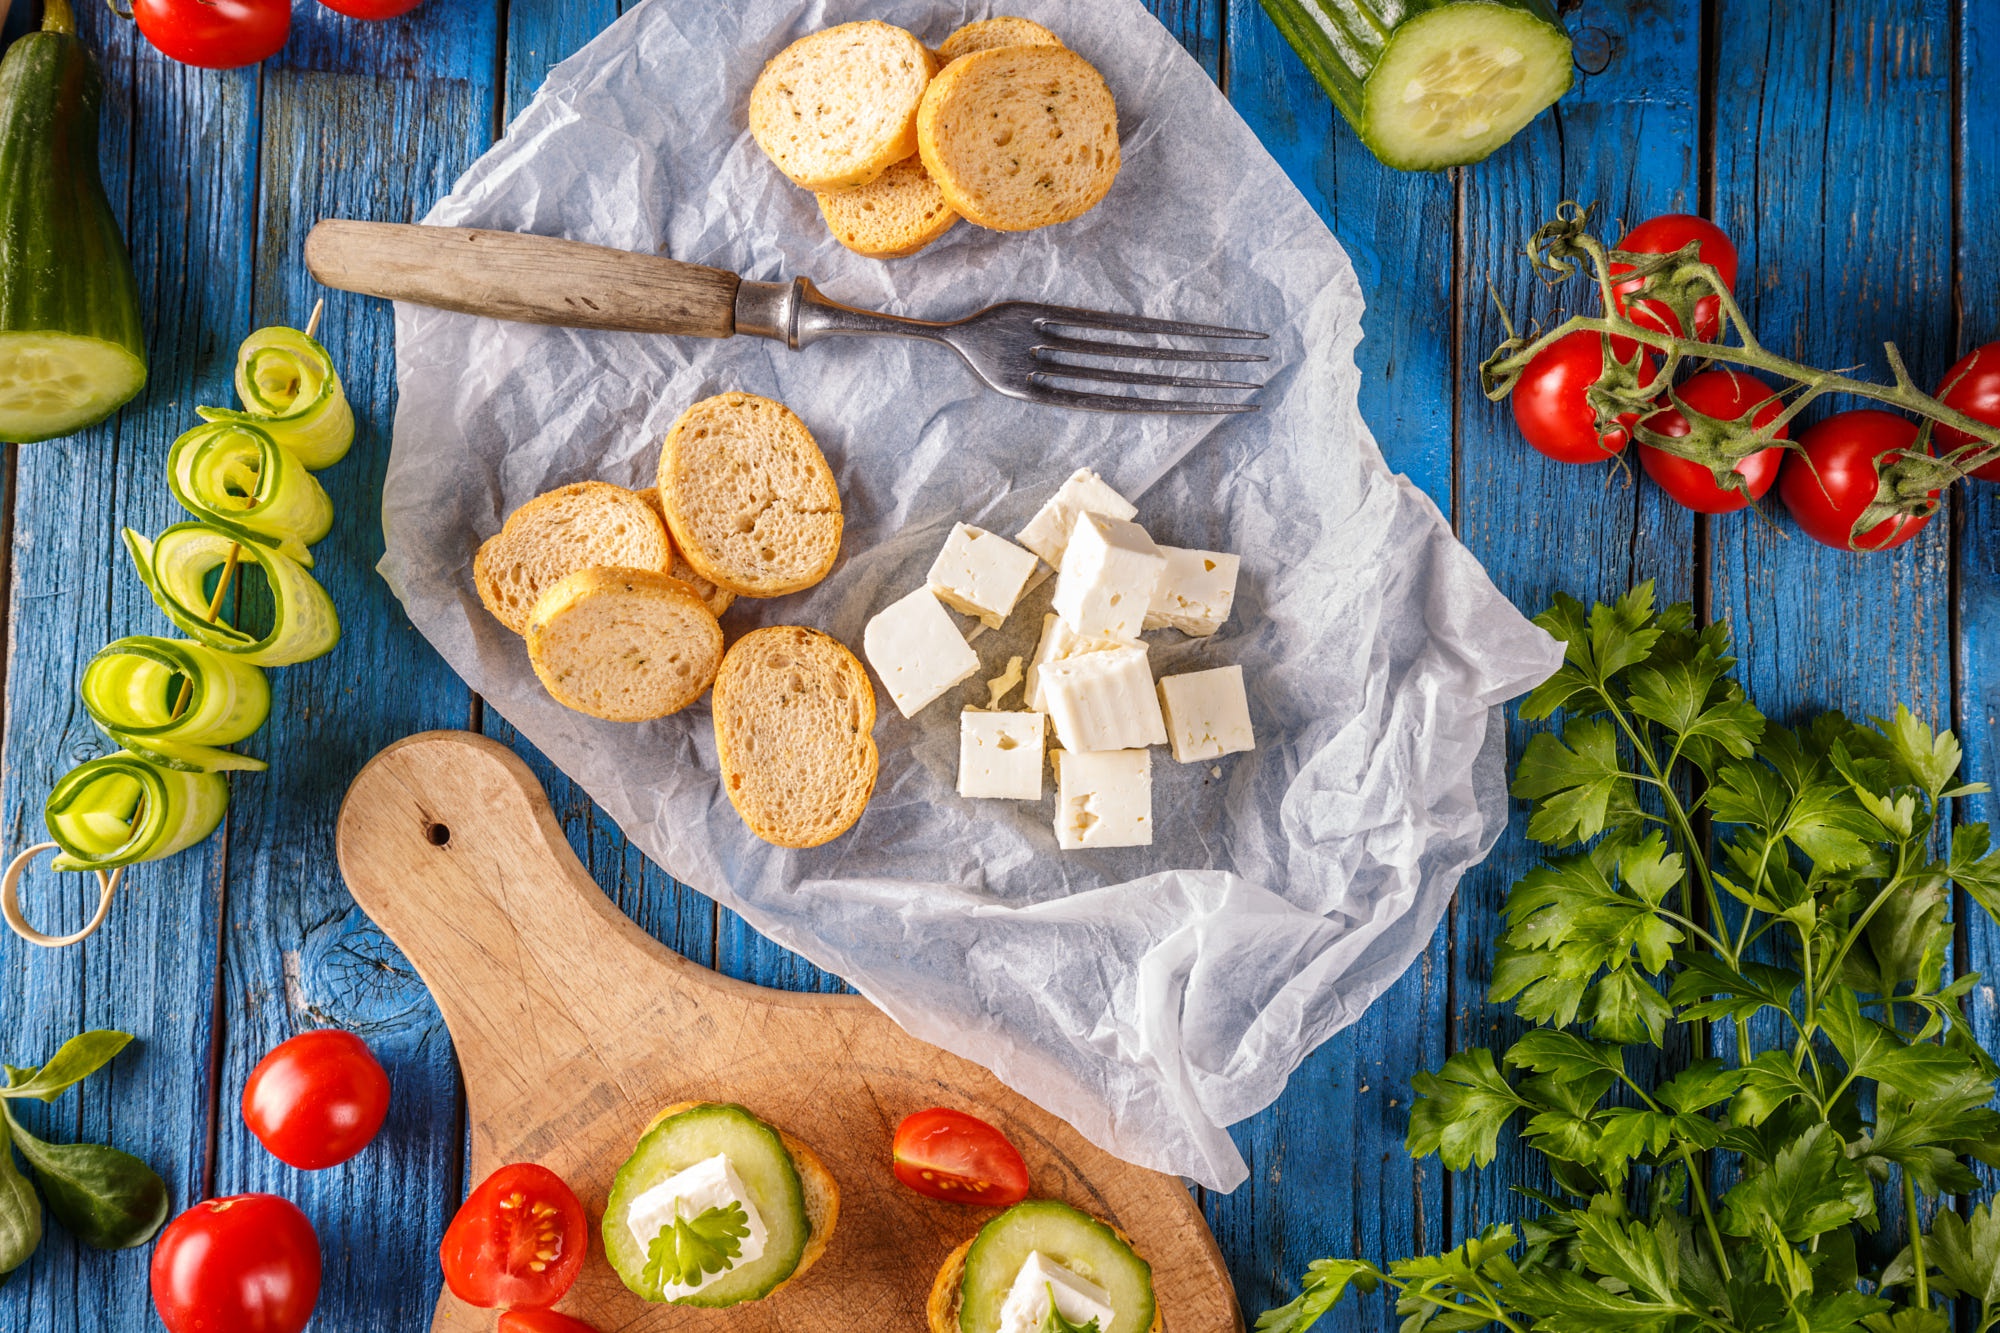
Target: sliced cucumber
<point x="119" y="810"/>
<point x="1074" y="1239"/>
<point x="289" y="387"/>
<point x="176" y="570"/>
<point x="232" y="475"/>
<point x="54" y="384"/>
<point x="1431" y="83"/>
<point x="760" y="1159"/>
<point x="173" y="703"/>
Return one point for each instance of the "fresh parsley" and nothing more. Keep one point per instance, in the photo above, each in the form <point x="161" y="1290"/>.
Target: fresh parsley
<point x="689" y="1249"/>
<point x="1780" y="896"/>
<point x="1057" y="1322"/>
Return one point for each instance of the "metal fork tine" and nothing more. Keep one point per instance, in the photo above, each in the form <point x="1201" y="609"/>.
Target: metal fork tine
<point x="1063" y="370"/>
<point x="1139" y="351"/>
<point x="1102" y="319"/>
<point x="1109" y="402"/>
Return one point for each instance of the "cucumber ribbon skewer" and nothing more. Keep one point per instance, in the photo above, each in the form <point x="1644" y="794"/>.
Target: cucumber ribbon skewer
<point x="135" y="688"/>
<point x="290" y="390"/>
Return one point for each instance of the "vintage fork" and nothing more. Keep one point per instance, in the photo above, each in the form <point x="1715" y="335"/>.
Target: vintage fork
<point x="1014" y="347"/>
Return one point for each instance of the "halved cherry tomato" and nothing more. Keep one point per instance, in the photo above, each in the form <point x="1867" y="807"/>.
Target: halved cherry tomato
<point x="1973" y="387"/>
<point x="371" y="9"/>
<point x="1726" y="395"/>
<point x="541" y="1321"/>
<point x="317" y="1099"/>
<point x="1549" y="403"/>
<point x="518" y="1243"/>
<point x="1662" y="236"/>
<point x="248" y="1264"/>
<point x="215" y="34"/>
<point x="1831" y="485"/>
<point x="949" y="1155"/>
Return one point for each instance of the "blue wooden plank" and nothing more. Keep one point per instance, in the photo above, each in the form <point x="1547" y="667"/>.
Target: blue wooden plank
<point x="152" y="969"/>
<point x="541" y="34"/>
<point x="373" y="121"/>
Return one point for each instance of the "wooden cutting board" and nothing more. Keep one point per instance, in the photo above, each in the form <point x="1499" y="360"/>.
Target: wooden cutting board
<point x="574" y="1027"/>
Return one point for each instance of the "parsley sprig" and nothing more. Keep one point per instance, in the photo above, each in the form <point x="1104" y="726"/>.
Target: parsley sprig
<point x="1055" y="1321"/>
<point x="1782" y="895"/>
<point x="689" y="1249"/>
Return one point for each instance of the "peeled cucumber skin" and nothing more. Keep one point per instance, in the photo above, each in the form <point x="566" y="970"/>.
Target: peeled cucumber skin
<point x="1343" y="43"/>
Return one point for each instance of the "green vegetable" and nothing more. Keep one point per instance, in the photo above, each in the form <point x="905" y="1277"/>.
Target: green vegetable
<point x="106" y="1198"/>
<point x="71" y="352"/>
<point x="235" y="477"/>
<point x="176" y="570"/>
<point x="1066" y="1236"/>
<point x="691" y="1248"/>
<point x="1431" y="83"/>
<point x="172" y="702"/>
<point x="120" y="809"/>
<point x="1811" y="930"/>
<point x="1055" y="1321"/>
<point x="289" y="388"/>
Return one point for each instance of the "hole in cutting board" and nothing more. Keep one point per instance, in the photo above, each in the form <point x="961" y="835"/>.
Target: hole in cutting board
<point x="437" y="835"/>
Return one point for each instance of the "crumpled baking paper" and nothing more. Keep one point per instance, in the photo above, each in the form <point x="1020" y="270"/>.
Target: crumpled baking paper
<point x="1149" y="996"/>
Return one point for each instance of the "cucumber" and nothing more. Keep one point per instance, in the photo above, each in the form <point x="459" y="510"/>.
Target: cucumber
<point x="289" y="387"/>
<point x="766" y="1169"/>
<point x="71" y="350"/>
<point x="173" y="703"/>
<point x="176" y="569"/>
<point x="234" y="476"/>
<point x="1074" y="1239"/>
<point x="120" y="809"/>
<point x="1431" y="83"/>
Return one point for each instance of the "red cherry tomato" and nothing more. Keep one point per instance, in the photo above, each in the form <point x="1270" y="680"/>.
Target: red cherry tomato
<point x="371" y="9"/>
<point x="317" y="1099"/>
<point x="1833" y="483"/>
<point x="1662" y="236"/>
<point x="1726" y="395"/>
<point x="249" y="1264"/>
<point x="541" y="1321"/>
<point x="518" y="1242"/>
<point x="215" y="34"/>
<point x="1973" y="387"/>
<point x="1549" y="403"/>
<point x="949" y="1155"/>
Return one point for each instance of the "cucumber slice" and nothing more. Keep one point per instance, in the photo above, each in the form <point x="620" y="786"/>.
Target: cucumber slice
<point x="54" y="384"/>
<point x="760" y="1159"/>
<point x="176" y="570"/>
<point x="289" y="387"/>
<point x="232" y="475"/>
<point x="1074" y="1239"/>
<point x="1431" y="83"/>
<point x="120" y="810"/>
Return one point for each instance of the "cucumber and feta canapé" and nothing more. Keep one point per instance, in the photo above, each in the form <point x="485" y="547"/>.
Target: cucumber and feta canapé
<point x="1042" y="1256"/>
<point x="715" y="1208"/>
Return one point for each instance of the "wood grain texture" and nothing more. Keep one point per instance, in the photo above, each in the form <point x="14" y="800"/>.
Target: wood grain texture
<point x="446" y="841"/>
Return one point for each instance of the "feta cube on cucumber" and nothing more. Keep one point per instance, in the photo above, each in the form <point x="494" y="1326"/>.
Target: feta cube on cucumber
<point x="1429" y="84"/>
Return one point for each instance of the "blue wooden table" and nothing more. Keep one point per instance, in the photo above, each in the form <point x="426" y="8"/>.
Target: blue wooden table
<point x="1852" y="149"/>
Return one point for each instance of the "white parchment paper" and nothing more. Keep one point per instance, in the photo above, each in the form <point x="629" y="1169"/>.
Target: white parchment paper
<point x="1149" y="996"/>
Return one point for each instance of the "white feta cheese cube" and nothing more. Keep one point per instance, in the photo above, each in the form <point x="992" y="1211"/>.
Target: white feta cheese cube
<point x="1109" y="575"/>
<point x="981" y="574"/>
<point x="1208" y="714"/>
<point x="1195" y="592"/>
<point x="1059" y="642"/>
<point x="1104" y="700"/>
<point x="1027" y="1305"/>
<point x="917" y="651"/>
<point x="710" y="1183"/>
<point x="1047" y="533"/>
<point x="1104" y="799"/>
<point x="1000" y="755"/>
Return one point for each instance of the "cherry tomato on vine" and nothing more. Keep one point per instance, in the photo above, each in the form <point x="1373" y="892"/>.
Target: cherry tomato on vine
<point x="1832" y="483"/>
<point x="1549" y="403"/>
<point x="371" y="9"/>
<point x="248" y="1264"/>
<point x="518" y="1243"/>
<point x="317" y="1099"/>
<point x="1726" y="395"/>
<point x="1662" y="236"/>
<point x="215" y="34"/>
<point x="541" y="1321"/>
<point x="949" y="1155"/>
<point x="1973" y="387"/>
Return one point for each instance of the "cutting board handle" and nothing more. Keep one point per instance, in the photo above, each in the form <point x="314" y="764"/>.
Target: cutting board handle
<point x="517" y="276"/>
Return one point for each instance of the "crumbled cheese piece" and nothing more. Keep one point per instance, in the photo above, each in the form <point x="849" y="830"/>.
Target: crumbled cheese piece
<point x="1003" y="684"/>
<point x="1104" y="701"/>
<point x="710" y="1183"/>
<point x="917" y="650"/>
<point x="1047" y="533"/>
<point x="1208" y="714"/>
<point x="981" y="574"/>
<point x="1195" y="593"/>
<point x="1000" y="755"/>
<point x="1027" y="1305"/>
<point x="1104" y="799"/>
<point x="1109" y="575"/>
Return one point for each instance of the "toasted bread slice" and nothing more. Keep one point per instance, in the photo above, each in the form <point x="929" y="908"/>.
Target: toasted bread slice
<point x="793" y="716"/>
<point x="896" y="214"/>
<point x="822" y="1192"/>
<point x="626" y="645"/>
<point x="1020" y="136"/>
<point x="992" y="34"/>
<point x="838" y="108"/>
<point x="748" y="496"/>
<point x="718" y="600"/>
<point x="574" y="527"/>
<point x="942" y="1308"/>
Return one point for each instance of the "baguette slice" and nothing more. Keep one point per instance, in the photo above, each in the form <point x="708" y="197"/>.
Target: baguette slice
<point x="748" y="496"/>
<point x="1020" y="137"/>
<point x="574" y="527"/>
<point x="896" y="214"/>
<point x="992" y="34"/>
<point x="837" y="108"/>
<point x="793" y="716"/>
<point x="718" y="600"/>
<point x="822" y="1192"/>
<point x="626" y="645"/>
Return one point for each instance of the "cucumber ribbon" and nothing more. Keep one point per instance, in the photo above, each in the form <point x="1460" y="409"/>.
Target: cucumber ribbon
<point x="290" y="390"/>
<point x="176" y="566"/>
<point x="173" y="703"/>
<point x="234" y="476"/>
<point x="122" y="809"/>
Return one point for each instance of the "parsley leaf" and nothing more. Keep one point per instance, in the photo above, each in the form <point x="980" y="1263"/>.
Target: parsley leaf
<point x="1055" y="1321"/>
<point x="1580" y="782"/>
<point x="1327" y="1280"/>
<point x="689" y="1249"/>
<point x="1460" y="1110"/>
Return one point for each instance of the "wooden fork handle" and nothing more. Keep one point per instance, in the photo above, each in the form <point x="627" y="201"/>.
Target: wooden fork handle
<point x="530" y="279"/>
